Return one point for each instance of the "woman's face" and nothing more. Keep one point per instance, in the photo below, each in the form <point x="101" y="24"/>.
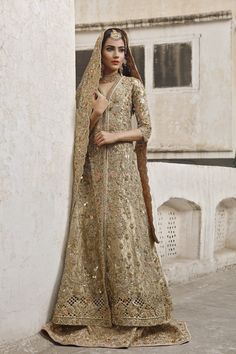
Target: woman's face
<point x="113" y="54"/>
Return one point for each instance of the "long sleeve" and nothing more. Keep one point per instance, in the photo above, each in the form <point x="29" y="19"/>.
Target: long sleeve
<point x="141" y="110"/>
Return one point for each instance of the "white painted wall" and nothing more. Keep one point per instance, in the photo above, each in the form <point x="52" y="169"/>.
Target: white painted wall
<point x="37" y="125"/>
<point x="196" y="118"/>
<point x="193" y="195"/>
<point x="118" y="10"/>
<point x="199" y="118"/>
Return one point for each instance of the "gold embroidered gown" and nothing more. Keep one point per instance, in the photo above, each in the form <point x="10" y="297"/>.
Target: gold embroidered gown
<point x="113" y="292"/>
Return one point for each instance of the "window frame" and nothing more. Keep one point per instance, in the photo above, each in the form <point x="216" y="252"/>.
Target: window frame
<point x="194" y="39"/>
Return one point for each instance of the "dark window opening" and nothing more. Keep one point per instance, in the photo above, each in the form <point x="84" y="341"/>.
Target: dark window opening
<point x="139" y="58"/>
<point x="81" y="61"/>
<point x="172" y="65"/>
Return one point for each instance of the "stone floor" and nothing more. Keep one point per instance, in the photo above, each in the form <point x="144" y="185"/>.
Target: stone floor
<point x="207" y="304"/>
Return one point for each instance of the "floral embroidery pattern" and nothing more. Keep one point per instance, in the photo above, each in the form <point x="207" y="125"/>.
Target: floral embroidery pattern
<point x="113" y="288"/>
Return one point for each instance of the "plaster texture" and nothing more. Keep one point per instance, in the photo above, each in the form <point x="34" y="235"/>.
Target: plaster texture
<point x="93" y="11"/>
<point x="37" y="125"/>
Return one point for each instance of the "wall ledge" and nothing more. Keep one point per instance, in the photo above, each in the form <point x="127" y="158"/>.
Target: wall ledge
<point x="157" y="21"/>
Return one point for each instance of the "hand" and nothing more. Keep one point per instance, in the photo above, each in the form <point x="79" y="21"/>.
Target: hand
<point x="100" y="103"/>
<point x="103" y="137"/>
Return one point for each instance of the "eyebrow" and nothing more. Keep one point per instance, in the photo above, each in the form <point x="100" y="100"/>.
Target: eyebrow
<point x="109" y="45"/>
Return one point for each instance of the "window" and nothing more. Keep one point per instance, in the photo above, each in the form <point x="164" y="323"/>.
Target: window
<point x="139" y="58"/>
<point x="81" y="60"/>
<point x="172" y="65"/>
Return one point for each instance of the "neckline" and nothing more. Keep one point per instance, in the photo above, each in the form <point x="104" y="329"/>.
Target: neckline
<point x="110" y="77"/>
<point x="111" y="89"/>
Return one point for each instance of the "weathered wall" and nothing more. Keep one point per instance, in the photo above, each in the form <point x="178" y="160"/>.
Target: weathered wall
<point x="194" y="211"/>
<point x="37" y="104"/>
<point x="97" y="11"/>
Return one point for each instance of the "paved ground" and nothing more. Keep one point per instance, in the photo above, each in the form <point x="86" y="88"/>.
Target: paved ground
<point x="207" y="304"/>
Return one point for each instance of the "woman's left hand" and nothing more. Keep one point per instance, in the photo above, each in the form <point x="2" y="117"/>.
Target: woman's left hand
<point x="104" y="137"/>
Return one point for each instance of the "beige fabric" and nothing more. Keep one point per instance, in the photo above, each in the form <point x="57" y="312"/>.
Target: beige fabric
<point x="113" y="291"/>
<point x="172" y="333"/>
<point x="88" y="85"/>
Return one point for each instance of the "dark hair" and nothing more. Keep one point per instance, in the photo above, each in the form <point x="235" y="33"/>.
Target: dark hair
<point x="107" y="34"/>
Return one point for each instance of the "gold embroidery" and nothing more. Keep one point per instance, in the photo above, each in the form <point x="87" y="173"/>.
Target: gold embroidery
<point x="115" y="34"/>
<point x="113" y="289"/>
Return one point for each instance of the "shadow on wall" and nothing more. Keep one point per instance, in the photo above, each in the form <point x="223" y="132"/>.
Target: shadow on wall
<point x="225" y="225"/>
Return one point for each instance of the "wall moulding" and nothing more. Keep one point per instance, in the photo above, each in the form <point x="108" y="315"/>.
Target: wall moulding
<point x="158" y="21"/>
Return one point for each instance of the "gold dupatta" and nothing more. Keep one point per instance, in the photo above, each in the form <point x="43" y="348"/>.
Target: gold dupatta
<point x="84" y="92"/>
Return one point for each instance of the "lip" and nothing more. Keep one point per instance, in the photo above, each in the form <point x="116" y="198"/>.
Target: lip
<point x="115" y="62"/>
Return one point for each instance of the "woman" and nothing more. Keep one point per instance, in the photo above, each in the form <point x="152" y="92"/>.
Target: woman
<point x="113" y="292"/>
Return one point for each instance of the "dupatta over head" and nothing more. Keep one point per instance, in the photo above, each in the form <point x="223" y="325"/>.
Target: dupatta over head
<point x="88" y="85"/>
